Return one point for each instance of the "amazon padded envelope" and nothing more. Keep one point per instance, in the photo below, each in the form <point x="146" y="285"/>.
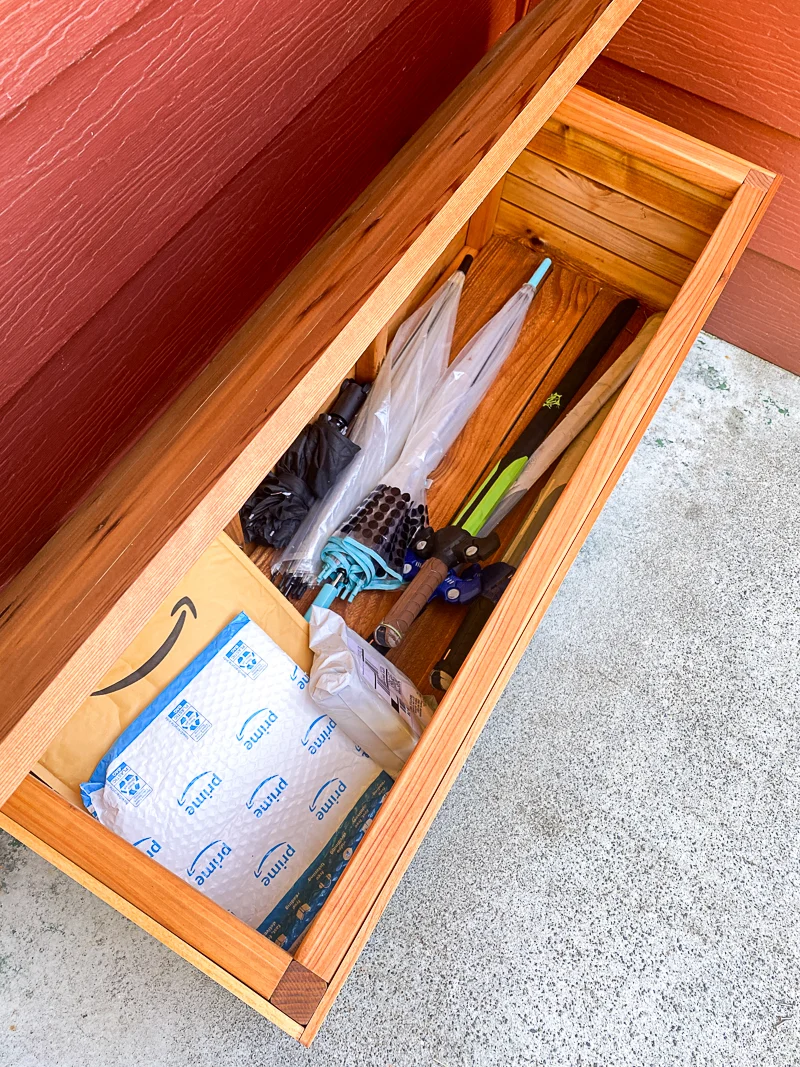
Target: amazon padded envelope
<point x="233" y="780"/>
<point x="222" y="583"/>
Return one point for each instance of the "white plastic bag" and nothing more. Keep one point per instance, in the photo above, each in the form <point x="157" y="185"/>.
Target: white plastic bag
<point x="417" y="356"/>
<point x="368" y="698"/>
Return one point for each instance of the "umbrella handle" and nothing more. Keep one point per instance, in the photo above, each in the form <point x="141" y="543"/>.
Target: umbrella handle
<point x="411" y="602"/>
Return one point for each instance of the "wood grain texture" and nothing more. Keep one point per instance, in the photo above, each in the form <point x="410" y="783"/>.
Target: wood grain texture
<point x="608" y="267"/>
<point x="669" y="149"/>
<point x="107" y="162"/>
<point x="298" y="993"/>
<point x="628" y="174"/>
<point x="148" y="887"/>
<point x="150" y="926"/>
<point x="115" y="376"/>
<point x="779" y="234"/>
<point x="738" y="54"/>
<point x="758" y="310"/>
<point x="566" y="312"/>
<point x="631" y="214"/>
<point x="443" y="747"/>
<point x="585" y="223"/>
<point x="101" y="576"/>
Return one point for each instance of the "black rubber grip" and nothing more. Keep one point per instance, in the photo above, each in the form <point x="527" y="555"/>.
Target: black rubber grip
<point x="467" y="634"/>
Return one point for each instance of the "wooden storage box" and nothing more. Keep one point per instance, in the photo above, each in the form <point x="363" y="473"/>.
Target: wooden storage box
<point x="516" y="162"/>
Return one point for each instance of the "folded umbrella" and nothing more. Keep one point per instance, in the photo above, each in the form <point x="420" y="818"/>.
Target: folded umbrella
<point x="419" y="353"/>
<point x="305" y="472"/>
<point x="368" y="551"/>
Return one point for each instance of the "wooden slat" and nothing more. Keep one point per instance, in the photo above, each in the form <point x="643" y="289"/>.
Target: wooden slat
<point x="354" y="904"/>
<point x="695" y="161"/>
<point x="76" y="607"/>
<point x="146" y="923"/>
<point x="481" y="225"/>
<point x="610" y="236"/>
<point x="599" y="199"/>
<point x="656" y="292"/>
<point x="150" y="888"/>
<point x="637" y="178"/>
<point x="779" y="234"/>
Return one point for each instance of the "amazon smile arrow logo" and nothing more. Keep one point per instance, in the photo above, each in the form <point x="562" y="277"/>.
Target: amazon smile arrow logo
<point x="150" y="665"/>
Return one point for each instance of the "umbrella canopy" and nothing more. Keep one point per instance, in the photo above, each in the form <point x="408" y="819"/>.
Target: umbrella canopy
<point x="418" y="354"/>
<point x="369" y="550"/>
<point x="304" y="473"/>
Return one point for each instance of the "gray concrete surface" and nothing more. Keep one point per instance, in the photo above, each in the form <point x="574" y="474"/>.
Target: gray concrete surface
<point x="614" y="878"/>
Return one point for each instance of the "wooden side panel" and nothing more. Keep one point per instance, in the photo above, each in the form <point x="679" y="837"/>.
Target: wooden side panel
<point x="619" y="239"/>
<point x="115" y="375"/>
<point x="352" y="904"/>
<point x="778" y="236"/>
<point x="653" y="290"/>
<point x="737" y="53"/>
<point x="148" y="887"/>
<point x="102" y="575"/>
<point x="760" y="309"/>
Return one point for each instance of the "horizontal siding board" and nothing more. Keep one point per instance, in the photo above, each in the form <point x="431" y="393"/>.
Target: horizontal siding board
<point x="107" y="385"/>
<point x="760" y="310"/>
<point x="778" y="236"/>
<point x="40" y="38"/>
<point x="103" y="166"/>
<point x="740" y="54"/>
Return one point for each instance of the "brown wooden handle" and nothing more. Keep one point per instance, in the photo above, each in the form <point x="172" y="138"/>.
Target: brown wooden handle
<point x="411" y="602"/>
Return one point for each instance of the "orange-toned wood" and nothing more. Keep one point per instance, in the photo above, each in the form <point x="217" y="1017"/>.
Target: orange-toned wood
<point x="569" y="215"/>
<point x="150" y="888"/>
<point x="695" y="161"/>
<point x="150" y="926"/>
<point x="660" y="227"/>
<point x="608" y="267"/>
<point x="74" y="609"/>
<point x="628" y="174"/>
<point x="369" y="364"/>
<point x="481" y="225"/>
<point x="355" y="902"/>
<point x="298" y="993"/>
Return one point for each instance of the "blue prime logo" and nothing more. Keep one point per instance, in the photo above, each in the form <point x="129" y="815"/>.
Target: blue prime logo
<point x="266" y="794"/>
<point x="129" y="785"/>
<point x="199" y="791"/>
<point x="328" y="796"/>
<point x="148" y="845"/>
<point x="188" y="721"/>
<point x="273" y="862"/>
<point x="317" y="734"/>
<point x="247" y="662"/>
<point x="256" y="726"/>
<point x="208" y="860"/>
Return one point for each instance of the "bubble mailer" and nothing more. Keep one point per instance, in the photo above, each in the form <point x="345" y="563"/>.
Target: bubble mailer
<point x="234" y="781"/>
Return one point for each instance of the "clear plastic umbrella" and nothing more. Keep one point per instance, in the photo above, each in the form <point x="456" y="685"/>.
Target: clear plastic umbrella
<point x="368" y="551"/>
<point x="418" y="354"/>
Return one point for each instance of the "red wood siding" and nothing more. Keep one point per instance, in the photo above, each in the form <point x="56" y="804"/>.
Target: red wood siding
<point x="727" y="71"/>
<point x="132" y="259"/>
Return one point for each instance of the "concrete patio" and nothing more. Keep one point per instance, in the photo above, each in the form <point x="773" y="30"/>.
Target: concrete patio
<point x="614" y="878"/>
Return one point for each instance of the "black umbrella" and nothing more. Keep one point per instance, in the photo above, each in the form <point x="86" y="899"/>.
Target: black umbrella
<point x="304" y="473"/>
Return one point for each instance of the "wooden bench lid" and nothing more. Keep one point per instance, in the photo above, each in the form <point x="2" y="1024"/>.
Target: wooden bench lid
<point x="70" y="613"/>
